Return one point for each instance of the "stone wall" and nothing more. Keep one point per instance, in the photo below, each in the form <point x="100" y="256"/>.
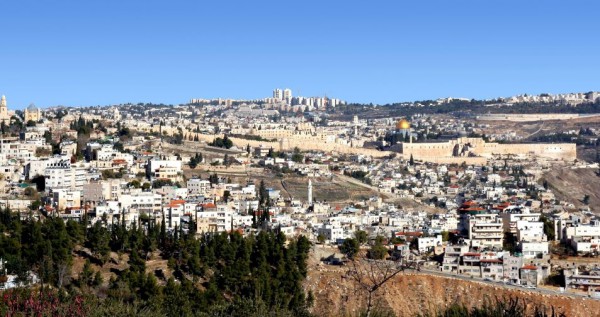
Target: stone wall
<point x="468" y="147"/>
<point x="532" y="117"/>
<point x="303" y="143"/>
<point x="470" y="150"/>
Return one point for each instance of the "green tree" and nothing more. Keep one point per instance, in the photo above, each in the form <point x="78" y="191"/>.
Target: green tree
<point x="350" y="247"/>
<point x="98" y="240"/>
<point x="86" y="277"/>
<point x="226" y="160"/>
<point x="227" y="143"/>
<point x="226" y="195"/>
<point x="548" y="227"/>
<point x="195" y="160"/>
<point x="297" y="156"/>
<point x="361" y="236"/>
<point x="98" y="280"/>
<point x="321" y="238"/>
<point x="378" y="251"/>
<point x="263" y="195"/>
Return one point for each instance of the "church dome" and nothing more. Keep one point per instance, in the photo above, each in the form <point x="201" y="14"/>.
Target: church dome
<point x="402" y="124"/>
<point x="32" y="107"/>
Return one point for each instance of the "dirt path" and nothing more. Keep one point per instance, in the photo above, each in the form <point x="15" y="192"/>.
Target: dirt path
<point x="285" y="189"/>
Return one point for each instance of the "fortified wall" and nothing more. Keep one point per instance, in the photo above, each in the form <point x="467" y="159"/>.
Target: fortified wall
<point x="463" y="148"/>
<point x="532" y="117"/>
<point x="304" y="143"/>
<point x="469" y="150"/>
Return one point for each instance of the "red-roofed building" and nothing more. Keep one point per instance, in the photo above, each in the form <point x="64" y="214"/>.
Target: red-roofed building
<point x="407" y="235"/>
<point x="173" y="213"/>
<point x="213" y="218"/>
<point x="119" y="163"/>
<point x="530" y="275"/>
<point x="209" y="206"/>
<point x="452" y="189"/>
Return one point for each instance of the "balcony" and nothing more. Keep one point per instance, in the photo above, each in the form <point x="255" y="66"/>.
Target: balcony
<point x="487" y="229"/>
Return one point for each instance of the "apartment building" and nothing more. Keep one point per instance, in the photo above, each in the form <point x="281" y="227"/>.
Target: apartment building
<point x="485" y="231"/>
<point x="164" y="169"/>
<point x="196" y="186"/>
<point x="66" y="198"/>
<point x="61" y="174"/>
<point x="513" y="214"/>
<point x="213" y="218"/>
<point x="452" y="257"/>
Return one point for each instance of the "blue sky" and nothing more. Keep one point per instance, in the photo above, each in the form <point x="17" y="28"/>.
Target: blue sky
<point x="104" y="52"/>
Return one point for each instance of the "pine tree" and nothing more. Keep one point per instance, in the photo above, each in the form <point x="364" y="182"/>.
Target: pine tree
<point x="86" y="277"/>
<point x="163" y="232"/>
<point x="226" y="160"/>
<point x="262" y="193"/>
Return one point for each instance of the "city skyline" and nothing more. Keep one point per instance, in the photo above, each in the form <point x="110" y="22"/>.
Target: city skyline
<point x="281" y="158"/>
<point x="80" y="54"/>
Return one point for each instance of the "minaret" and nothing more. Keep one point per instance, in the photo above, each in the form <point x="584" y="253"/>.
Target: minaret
<point x="310" y="201"/>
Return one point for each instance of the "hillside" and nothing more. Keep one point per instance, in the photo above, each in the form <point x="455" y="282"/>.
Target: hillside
<point x="573" y="184"/>
<point x="411" y="294"/>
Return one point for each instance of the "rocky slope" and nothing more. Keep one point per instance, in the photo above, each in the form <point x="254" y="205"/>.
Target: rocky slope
<point x="411" y="294"/>
<point x="573" y="184"/>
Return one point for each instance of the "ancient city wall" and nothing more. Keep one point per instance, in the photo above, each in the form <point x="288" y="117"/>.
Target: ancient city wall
<point x="531" y="117"/>
<point x="564" y="151"/>
<point x="476" y="146"/>
<point x="304" y="144"/>
<point x="469" y="160"/>
<point x="437" y="152"/>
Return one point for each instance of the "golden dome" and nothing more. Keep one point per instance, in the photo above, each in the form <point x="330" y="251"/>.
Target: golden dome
<point x="402" y="124"/>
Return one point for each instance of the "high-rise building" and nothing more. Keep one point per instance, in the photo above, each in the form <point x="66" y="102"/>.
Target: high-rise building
<point x="287" y="94"/>
<point x="278" y="94"/>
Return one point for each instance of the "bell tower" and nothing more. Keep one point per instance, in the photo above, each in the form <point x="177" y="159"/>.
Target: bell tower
<point x="3" y="109"/>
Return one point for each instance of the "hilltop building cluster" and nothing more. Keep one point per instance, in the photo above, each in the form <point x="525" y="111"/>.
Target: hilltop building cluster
<point x="434" y="190"/>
